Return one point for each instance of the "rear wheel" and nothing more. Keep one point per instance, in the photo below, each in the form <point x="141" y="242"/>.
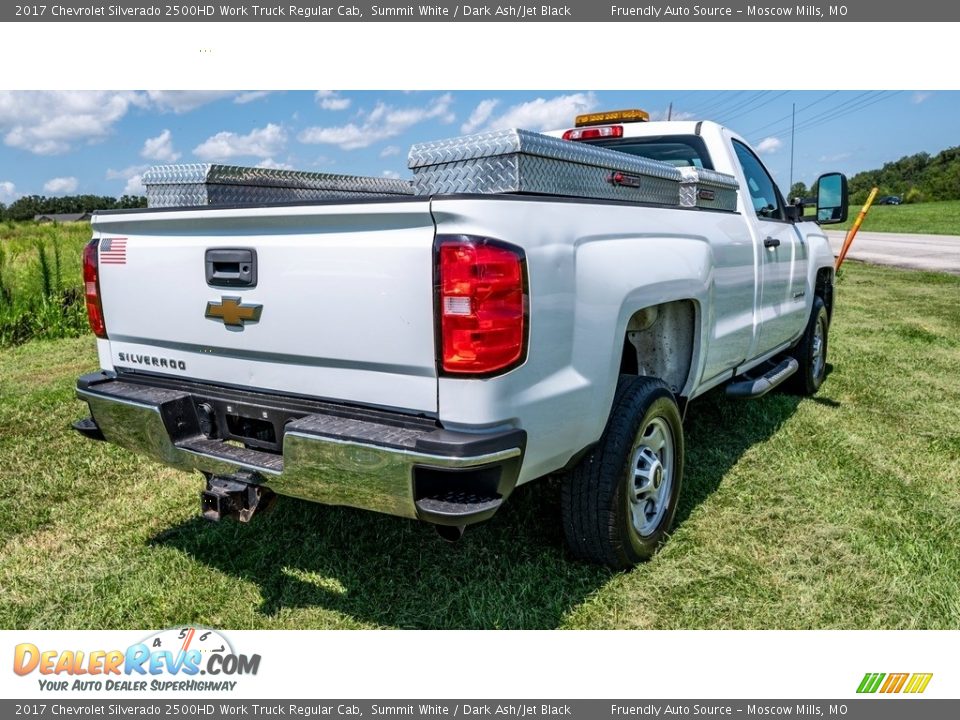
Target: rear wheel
<point x="811" y="352"/>
<point x="620" y="500"/>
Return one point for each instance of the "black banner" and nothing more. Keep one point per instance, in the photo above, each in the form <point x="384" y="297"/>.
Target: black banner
<point x="878" y="708"/>
<point x="445" y="11"/>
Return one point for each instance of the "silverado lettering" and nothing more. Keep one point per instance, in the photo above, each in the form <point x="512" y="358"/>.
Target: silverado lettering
<point x="152" y="360"/>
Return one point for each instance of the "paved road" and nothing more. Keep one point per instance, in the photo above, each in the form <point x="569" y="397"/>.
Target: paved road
<point x="940" y="253"/>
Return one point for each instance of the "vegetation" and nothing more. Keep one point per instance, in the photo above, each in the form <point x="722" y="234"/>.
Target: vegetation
<point x="914" y="178"/>
<point x="28" y="206"/>
<point x="839" y="511"/>
<point x="41" y="281"/>
<point x="932" y="218"/>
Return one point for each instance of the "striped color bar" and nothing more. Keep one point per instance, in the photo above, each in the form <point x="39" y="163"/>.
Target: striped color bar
<point x="894" y="683"/>
<point x="113" y="251"/>
<point x="918" y="682"/>
<point x="870" y="682"/>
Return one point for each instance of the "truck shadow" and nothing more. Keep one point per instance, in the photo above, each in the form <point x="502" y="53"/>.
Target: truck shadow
<point x="350" y="568"/>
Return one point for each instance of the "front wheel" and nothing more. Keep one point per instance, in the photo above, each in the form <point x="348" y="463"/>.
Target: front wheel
<point x="620" y="500"/>
<point x="811" y="352"/>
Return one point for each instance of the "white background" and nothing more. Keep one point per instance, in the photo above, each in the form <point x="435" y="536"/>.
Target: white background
<point x="590" y="56"/>
<point x="532" y="664"/>
<point x="560" y="56"/>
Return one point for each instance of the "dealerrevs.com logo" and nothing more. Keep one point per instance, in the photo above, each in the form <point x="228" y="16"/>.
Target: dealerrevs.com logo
<point x="172" y="660"/>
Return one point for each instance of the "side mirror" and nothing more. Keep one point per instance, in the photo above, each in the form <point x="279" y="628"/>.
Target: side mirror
<point x="831" y="198"/>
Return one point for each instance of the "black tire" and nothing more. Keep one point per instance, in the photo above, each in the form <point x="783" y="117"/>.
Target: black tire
<point x="811" y="352"/>
<point x="600" y="503"/>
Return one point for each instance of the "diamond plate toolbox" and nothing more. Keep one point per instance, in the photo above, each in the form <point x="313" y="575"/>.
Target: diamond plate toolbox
<point x="520" y="161"/>
<point x="707" y="189"/>
<point x="207" y="184"/>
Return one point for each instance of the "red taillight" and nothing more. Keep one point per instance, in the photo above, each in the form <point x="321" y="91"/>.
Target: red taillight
<point x="482" y="304"/>
<point x="91" y="288"/>
<point x="594" y="133"/>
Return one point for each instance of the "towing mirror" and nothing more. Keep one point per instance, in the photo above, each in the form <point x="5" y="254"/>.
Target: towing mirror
<point x="831" y="198"/>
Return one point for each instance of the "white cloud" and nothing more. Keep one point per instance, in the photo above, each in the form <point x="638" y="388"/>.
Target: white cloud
<point x="274" y="165"/>
<point x="262" y="142"/>
<point x="835" y="158"/>
<point x="182" y="101"/>
<point x="392" y="174"/>
<point x="481" y="113"/>
<point x="49" y="122"/>
<point x="249" y="97"/>
<point x="920" y="96"/>
<point x="331" y="100"/>
<point x="542" y="114"/>
<point x="160" y="148"/>
<point x="769" y="145"/>
<point x="8" y="191"/>
<point x="126" y="172"/>
<point x="133" y="176"/>
<point x="381" y="123"/>
<point x="135" y="186"/>
<point x="390" y="150"/>
<point x="61" y="185"/>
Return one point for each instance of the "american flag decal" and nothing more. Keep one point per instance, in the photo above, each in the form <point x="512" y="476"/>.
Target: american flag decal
<point x="113" y="251"/>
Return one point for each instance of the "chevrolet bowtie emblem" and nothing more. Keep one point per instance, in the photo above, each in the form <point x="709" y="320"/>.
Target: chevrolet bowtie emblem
<point x="233" y="312"/>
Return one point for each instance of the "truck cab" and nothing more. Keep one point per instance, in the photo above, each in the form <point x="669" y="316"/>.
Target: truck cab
<point x="780" y="238"/>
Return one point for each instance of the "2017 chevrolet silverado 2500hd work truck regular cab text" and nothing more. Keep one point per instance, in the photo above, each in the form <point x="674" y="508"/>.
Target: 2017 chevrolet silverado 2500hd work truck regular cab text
<point x="530" y="304"/>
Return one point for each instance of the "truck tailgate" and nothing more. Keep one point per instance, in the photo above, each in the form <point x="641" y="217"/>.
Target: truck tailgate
<point x="345" y="296"/>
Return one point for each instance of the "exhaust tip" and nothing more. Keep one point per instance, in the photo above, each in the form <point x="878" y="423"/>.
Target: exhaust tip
<point x="450" y="533"/>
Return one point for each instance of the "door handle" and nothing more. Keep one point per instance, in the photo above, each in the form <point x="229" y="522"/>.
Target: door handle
<point x="771" y="242"/>
<point x="231" y="267"/>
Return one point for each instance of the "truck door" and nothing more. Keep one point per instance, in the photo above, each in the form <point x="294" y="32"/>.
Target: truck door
<point x="780" y="314"/>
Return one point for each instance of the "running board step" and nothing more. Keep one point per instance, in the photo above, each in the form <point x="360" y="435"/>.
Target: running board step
<point x="88" y="428"/>
<point x="750" y="388"/>
<point x="458" y="507"/>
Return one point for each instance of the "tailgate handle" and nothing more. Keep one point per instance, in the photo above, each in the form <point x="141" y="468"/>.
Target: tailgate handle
<point x="231" y="267"/>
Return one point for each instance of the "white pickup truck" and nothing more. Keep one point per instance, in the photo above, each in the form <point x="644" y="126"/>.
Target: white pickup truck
<point x="422" y="356"/>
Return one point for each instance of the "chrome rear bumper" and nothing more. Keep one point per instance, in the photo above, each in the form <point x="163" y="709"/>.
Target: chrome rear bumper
<point x="386" y="464"/>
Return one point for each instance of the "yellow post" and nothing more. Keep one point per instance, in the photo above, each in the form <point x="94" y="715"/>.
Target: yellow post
<point x="852" y="233"/>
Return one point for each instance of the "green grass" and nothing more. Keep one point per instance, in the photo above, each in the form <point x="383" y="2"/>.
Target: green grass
<point x="932" y="218"/>
<point x="841" y="511"/>
<point x="41" y="281"/>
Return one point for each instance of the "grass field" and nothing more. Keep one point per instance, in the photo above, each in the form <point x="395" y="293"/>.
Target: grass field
<point x="841" y="511"/>
<point x="41" y="281"/>
<point x="933" y="218"/>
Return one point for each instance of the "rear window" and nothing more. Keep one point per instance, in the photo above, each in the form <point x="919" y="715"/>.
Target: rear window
<point x="676" y="150"/>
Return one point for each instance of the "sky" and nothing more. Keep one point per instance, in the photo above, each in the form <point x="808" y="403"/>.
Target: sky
<point x="100" y="142"/>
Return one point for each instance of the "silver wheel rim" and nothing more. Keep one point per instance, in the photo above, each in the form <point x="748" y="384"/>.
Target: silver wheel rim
<point x="651" y="476"/>
<point x="818" y="351"/>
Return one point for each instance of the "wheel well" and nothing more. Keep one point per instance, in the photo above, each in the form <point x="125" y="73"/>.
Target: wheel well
<point x="659" y="342"/>
<point x="824" y="288"/>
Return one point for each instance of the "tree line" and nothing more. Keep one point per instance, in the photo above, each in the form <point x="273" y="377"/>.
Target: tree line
<point x="914" y="178"/>
<point x="28" y="206"/>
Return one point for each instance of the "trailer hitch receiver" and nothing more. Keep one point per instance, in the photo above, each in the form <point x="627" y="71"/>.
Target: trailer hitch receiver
<point x="234" y="496"/>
